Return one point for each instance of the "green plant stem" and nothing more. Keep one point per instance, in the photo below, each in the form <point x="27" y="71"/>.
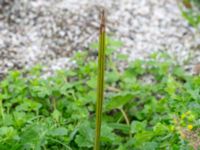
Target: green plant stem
<point x="55" y="140"/>
<point x="126" y="119"/>
<point x="125" y="116"/>
<point x="54" y="103"/>
<point x="100" y="82"/>
<point x="1" y="109"/>
<point x="119" y="120"/>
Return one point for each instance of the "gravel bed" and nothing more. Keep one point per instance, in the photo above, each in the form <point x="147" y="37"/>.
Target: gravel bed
<point x="51" y="31"/>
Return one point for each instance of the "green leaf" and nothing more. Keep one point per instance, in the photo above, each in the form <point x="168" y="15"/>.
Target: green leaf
<point x="7" y="133"/>
<point x="92" y="83"/>
<point x="61" y="131"/>
<point x="86" y="136"/>
<point x="108" y="136"/>
<point x="141" y="138"/>
<point x="56" y="115"/>
<point x="195" y="94"/>
<point x="171" y="86"/>
<point x="112" y="77"/>
<point x="122" y="127"/>
<point x="42" y="91"/>
<point x="160" y="129"/>
<point x="149" y="146"/>
<point x="33" y="137"/>
<point x="137" y="126"/>
<point x="119" y="100"/>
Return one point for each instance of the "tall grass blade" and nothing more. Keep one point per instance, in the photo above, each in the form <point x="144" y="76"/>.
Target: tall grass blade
<point x="100" y="81"/>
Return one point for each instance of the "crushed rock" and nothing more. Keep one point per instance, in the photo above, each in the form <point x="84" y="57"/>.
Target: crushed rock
<point x="51" y="31"/>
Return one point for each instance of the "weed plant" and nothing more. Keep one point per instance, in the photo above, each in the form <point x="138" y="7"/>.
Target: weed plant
<point x="151" y="105"/>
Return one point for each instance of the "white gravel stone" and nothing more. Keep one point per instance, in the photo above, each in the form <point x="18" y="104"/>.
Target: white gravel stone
<point x="50" y="31"/>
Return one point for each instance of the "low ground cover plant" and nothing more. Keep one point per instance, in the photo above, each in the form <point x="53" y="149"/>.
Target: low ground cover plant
<point x="191" y="12"/>
<point x="153" y="104"/>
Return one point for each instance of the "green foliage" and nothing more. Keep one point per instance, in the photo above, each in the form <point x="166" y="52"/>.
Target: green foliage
<point x="191" y="12"/>
<point x="58" y="112"/>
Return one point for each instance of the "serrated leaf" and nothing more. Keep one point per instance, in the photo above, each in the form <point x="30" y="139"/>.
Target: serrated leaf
<point x="56" y="115"/>
<point x="92" y="83"/>
<point x="137" y="126"/>
<point x="141" y="138"/>
<point x="107" y="135"/>
<point x="86" y="136"/>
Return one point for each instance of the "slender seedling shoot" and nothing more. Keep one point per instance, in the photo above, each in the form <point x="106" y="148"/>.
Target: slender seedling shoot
<point x="100" y="80"/>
